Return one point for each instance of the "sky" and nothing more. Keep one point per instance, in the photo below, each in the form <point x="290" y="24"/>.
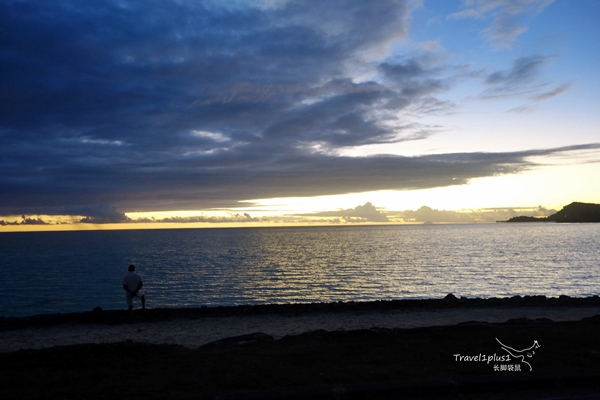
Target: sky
<point x="187" y="113"/>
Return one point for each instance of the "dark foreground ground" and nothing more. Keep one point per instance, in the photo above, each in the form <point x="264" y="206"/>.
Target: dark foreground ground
<point x="374" y="363"/>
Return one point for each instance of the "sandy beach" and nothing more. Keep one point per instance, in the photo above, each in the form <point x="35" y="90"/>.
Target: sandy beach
<point x="195" y="332"/>
<point x="307" y="350"/>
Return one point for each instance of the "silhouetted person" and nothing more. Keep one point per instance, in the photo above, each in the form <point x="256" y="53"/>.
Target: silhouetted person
<point x="132" y="283"/>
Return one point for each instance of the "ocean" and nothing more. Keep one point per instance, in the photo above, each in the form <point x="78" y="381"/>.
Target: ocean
<point x="59" y="272"/>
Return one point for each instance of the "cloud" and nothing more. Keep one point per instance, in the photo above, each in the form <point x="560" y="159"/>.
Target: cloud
<point x="109" y="106"/>
<point x="517" y="80"/>
<point x="206" y="182"/>
<point x="170" y="102"/>
<point x="231" y="218"/>
<point x="103" y="214"/>
<point x="540" y="96"/>
<point x="32" y="221"/>
<point x="365" y="213"/>
<point x="428" y="214"/>
<point x="522" y="79"/>
<point x="524" y="109"/>
<point x="552" y="93"/>
<point x="24" y="221"/>
<point x="508" y="17"/>
<point x="523" y="70"/>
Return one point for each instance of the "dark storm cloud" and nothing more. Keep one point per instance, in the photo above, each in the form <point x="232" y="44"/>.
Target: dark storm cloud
<point x="113" y="106"/>
<point x="207" y="183"/>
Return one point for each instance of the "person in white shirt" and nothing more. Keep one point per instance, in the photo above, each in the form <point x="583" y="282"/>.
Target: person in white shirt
<point x="132" y="283"/>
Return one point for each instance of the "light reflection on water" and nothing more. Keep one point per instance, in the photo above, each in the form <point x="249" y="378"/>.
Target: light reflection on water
<point x="77" y="271"/>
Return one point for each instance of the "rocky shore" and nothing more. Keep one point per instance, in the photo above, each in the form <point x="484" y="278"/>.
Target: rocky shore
<point x="439" y="348"/>
<point x="98" y="315"/>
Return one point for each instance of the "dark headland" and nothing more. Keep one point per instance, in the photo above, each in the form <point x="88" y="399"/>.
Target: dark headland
<point x="574" y="212"/>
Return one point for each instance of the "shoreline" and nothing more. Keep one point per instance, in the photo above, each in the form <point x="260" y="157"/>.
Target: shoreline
<point x="196" y="327"/>
<point x="448" y="302"/>
<point x="397" y="348"/>
<point x="98" y="315"/>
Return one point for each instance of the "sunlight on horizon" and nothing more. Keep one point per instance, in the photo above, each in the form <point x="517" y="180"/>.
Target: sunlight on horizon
<point x="550" y="186"/>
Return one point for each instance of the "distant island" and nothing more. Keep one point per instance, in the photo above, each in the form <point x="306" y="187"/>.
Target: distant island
<point x="523" y="218"/>
<point x="574" y="212"/>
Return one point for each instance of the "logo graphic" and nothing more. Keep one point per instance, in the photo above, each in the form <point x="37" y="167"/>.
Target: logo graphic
<point x="521" y="354"/>
<point x="512" y="361"/>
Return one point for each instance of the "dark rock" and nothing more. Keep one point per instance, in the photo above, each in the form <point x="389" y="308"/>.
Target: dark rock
<point x="307" y="336"/>
<point x="355" y="333"/>
<point x="534" y="300"/>
<point x="595" y="319"/>
<point x="526" y="321"/>
<point x="243" y="339"/>
<point x="450" y="297"/>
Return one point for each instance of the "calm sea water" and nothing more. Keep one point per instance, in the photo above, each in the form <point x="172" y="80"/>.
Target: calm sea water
<point x="49" y="272"/>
